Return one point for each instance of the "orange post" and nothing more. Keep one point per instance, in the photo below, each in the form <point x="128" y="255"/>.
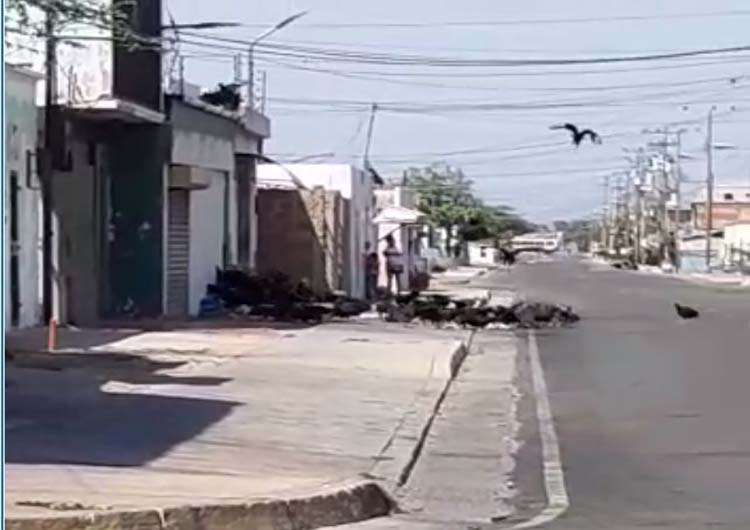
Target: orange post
<point x="52" y="335"/>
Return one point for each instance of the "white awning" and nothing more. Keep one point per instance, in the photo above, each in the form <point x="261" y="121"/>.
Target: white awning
<point x="399" y="216"/>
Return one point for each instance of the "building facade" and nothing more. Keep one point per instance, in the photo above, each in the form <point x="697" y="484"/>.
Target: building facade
<point x="23" y="201"/>
<point x="731" y="204"/>
<point x="132" y="171"/>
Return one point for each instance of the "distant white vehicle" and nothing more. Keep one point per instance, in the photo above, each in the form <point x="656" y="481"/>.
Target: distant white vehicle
<point x="540" y="242"/>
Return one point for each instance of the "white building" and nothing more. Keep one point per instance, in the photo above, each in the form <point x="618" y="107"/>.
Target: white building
<point x="23" y="202"/>
<point x="354" y="185"/>
<point x="735" y="247"/>
<point x="482" y="253"/>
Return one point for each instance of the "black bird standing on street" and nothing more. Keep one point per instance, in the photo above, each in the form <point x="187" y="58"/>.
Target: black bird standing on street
<point x="577" y="135"/>
<point x="686" y="312"/>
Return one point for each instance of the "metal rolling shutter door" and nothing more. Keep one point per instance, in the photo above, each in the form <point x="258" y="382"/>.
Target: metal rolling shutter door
<point x="178" y="252"/>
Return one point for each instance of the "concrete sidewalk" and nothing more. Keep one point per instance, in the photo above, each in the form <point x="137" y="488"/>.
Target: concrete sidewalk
<point x="716" y="278"/>
<point x="230" y="418"/>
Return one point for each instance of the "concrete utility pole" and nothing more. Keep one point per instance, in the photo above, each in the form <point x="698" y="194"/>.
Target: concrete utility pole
<point x="678" y="198"/>
<point x="370" y="131"/>
<point x="674" y="225"/>
<point x="605" y="212"/>
<point x="50" y="100"/>
<point x="251" y="54"/>
<point x="709" y="186"/>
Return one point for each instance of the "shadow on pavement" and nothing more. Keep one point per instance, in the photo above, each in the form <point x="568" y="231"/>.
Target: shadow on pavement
<point x="57" y="410"/>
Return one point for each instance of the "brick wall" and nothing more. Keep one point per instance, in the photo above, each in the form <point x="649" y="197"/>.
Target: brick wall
<point x="723" y="214"/>
<point x="301" y="233"/>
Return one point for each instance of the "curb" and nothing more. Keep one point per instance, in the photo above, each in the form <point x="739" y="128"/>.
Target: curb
<point x="350" y="505"/>
<point x="457" y="360"/>
<point x="401" y="453"/>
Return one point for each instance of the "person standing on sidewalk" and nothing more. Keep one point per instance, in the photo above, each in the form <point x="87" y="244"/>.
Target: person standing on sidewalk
<point x="372" y="269"/>
<point x="394" y="263"/>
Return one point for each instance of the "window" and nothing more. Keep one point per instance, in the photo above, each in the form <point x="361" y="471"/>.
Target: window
<point x="728" y="196"/>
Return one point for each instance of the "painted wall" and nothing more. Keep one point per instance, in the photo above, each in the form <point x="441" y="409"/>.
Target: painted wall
<point x="723" y="214"/>
<point x="206" y="236"/>
<point x="135" y="159"/>
<point x="21" y="136"/>
<point x="78" y="207"/>
<point x="735" y="247"/>
<point x="482" y="254"/>
<point x="95" y="68"/>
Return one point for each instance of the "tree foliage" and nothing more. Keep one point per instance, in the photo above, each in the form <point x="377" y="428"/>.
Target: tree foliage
<point x="447" y="198"/>
<point x="29" y="17"/>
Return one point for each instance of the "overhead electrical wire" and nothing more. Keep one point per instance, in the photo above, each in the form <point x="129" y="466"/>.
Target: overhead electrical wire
<point x="519" y="22"/>
<point x="392" y="59"/>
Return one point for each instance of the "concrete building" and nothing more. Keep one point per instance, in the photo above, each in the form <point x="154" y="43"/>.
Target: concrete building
<point x="355" y="187"/>
<point x="731" y="204"/>
<point x="23" y="201"/>
<point x="483" y="253"/>
<point x="123" y="159"/>
<point x="210" y="206"/>
<point x="735" y="246"/>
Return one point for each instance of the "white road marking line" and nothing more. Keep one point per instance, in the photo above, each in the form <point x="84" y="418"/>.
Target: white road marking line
<point x="554" y="478"/>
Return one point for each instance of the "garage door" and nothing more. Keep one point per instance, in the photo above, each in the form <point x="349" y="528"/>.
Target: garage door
<point x="178" y="252"/>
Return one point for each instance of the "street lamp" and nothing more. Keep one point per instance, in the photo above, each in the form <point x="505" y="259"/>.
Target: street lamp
<point x="251" y="51"/>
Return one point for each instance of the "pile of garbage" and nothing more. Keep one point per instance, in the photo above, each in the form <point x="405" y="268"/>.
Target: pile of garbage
<point x="477" y="313"/>
<point x="273" y="296"/>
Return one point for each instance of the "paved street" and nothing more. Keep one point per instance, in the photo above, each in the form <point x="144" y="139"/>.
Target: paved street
<point x="651" y="412"/>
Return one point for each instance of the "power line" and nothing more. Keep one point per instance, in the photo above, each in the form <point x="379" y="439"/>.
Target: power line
<point x="518" y="22"/>
<point x="391" y="59"/>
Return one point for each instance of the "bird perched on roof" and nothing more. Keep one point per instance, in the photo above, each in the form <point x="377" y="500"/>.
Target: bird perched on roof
<point x="686" y="312"/>
<point x="579" y="135"/>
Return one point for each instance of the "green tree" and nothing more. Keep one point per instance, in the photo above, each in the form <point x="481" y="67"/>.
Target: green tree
<point x="29" y="17"/>
<point x="446" y="196"/>
<point x="494" y="222"/>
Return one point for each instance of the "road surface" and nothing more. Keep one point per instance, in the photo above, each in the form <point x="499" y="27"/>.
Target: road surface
<point x="652" y="412"/>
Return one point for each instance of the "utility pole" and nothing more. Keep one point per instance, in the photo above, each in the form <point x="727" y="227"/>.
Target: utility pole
<point x="50" y="99"/>
<point x="678" y="200"/>
<point x="605" y="212"/>
<point x="709" y="186"/>
<point x="370" y="130"/>
<point x="237" y="66"/>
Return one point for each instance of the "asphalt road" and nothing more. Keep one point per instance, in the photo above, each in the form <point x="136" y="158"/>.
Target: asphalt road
<point x="652" y="412"/>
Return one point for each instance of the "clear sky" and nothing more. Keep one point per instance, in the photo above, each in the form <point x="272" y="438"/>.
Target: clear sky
<point x="492" y="121"/>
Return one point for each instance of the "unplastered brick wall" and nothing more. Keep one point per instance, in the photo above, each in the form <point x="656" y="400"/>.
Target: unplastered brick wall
<point x="301" y="233"/>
